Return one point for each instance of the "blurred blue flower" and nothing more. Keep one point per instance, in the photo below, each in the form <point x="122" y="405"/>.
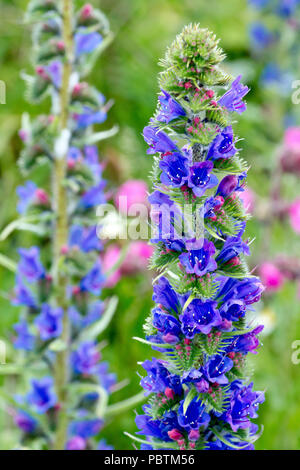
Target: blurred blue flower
<point x="30" y="265"/>
<point x="86" y="42"/>
<point x="26" y="195"/>
<point x="49" y="322"/>
<point x="42" y="396"/>
<point x="25" y="340"/>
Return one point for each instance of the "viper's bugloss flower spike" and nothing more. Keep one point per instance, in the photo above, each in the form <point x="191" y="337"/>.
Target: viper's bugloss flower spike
<point x="199" y="391"/>
<point x="58" y="283"/>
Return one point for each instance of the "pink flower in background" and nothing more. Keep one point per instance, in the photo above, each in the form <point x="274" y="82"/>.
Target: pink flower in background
<point x="294" y="213"/>
<point x="292" y="139"/>
<point x="136" y="193"/>
<point x="137" y="258"/>
<point x="109" y="259"/>
<point x="290" y="157"/>
<point x="248" y="198"/>
<point x="271" y="276"/>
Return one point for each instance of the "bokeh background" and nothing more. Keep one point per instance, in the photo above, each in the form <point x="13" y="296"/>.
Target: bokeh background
<point x="127" y="73"/>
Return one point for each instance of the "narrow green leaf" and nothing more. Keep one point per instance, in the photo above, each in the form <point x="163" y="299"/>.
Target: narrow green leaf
<point x="149" y="343"/>
<point x="125" y="405"/>
<point x="58" y="345"/>
<point x="8" y="263"/>
<point x="97" y="328"/>
<point x="188" y="399"/>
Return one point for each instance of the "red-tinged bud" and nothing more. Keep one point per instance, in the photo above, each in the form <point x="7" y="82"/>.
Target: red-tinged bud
<point x="41" y="72"/>
<point x="60" y="45"/>
<point x="77" y="89"/>
<point x="231" y="355"/>
<point x="87" y="11"/>
<point x="220" y="199"/>
<point x="187" y="341"/>
<point x="194" y="435"/>
<point x="71" y="164"/>
<point x="42" y="197"/>
<point x="64" y="250"/>
<point x="210" y="93"/>
<point x="234" y="261"/>
<point x="23" y="135"/>
<point x="175" y="435"/>
<point x="76" y="290"/>
<point x="169" y="393"/>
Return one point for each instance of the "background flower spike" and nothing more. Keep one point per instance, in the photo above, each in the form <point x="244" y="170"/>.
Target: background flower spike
<point x="59" y="282"/>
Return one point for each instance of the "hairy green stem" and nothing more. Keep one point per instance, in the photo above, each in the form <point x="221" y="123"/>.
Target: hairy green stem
<point x="61" y="234"/>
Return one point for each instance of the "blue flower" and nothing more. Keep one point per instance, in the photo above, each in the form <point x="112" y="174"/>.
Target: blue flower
<point x="244" y="404"/>
<point x="54" y="70"/>
<point x="199" y="178"/>
<point x="174" y="170"/>
<point x="76" y="443"/>
<point x="260" y="36"/>
<point x="92" y="161"/>
<point x="166" y="215"/>
<point x="228" y="185"/>
<point x="246" y="343"/>
<point x="248" y="289"/>
<point x="94" y="196"/>
<point x="25" y="339"/>
<point x="222" y="146"/>
<point x="42" y="396"/>
<point x="166" y="297"/>
<point x="157" y="428"/>
<point x="216" y="368"/>
<point x="233" y="310"/>
<point x="85" y="238"/>
<point x="210" y="205"/>
<point x="199" y="317"/>
<point x="158" y="141"/>
<point x="159" y="378"/>
<point x="287" y="8"/>
<point x="25" y="422"/>
<point x="85" y="428"/>
<point x="23" y="295"/>
<point x="194" y="416"/>
<point x="273" y="75"/>
<point x="231" y="183"/>
<point x="196" y="377"/>
<point x="26" y="195"/>
<point x="104" y="446"/>
<point x="198" y="260"/>
<point x="49" y="322"/>
<point x="233" y="98"/>
<point x="94" y="280"/>
<point x="167" y="325"/>
<point x="232" y="247"/>
<point x="170" y="108"/>
<point x="86" y="358"/>
<point x="30" y="265"/>
<point x="86" y="43"/>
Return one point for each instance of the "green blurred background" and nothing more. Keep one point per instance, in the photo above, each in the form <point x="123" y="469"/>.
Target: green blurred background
<point x="127" y="73"/>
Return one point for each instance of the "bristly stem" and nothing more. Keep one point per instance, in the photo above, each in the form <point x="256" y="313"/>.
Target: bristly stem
<point x="61" y="232"/>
